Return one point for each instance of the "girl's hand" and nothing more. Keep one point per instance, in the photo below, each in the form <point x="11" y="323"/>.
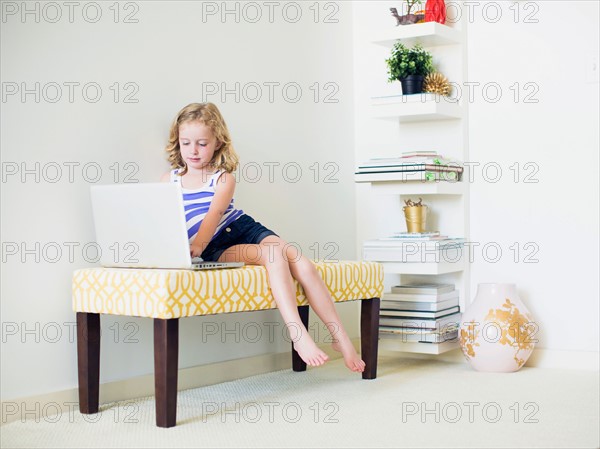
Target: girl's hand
<point x="195" y="250"/>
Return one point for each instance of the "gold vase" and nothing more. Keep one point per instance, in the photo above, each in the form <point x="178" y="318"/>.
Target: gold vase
<point x="416" y="217"/>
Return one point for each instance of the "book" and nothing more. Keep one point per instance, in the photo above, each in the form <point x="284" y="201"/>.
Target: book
<point x="442" y="324"/>
<point x="418" y="306"/>
<point x="399" y="241"/>
<point x="399" y="165"/>
<point x="418" y="314"/>
<point x="385" y="161"/>
<point x="432" y="159"/>
<point x="426" y="289"/>
<point x="444" y="167"/>
<point x="417" y="234"/>
<point x="382" y="160"/>
<point x="420" y="335"/>
<point x="413" y="244"/>
<point x="419" y="153"/>
<point x="415" y="297"/>
<point x="401" y="238"/>
<point x="429" y="158"/>
<point x="409" y="176"/>
<point x="409" y="167"/>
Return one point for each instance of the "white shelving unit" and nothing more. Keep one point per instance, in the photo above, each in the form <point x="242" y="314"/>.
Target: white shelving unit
<point x="427" y="34"/>
<point x="394" y="183"/>
<point x="391" y="342"/>
<point x="427" y="115"/>
<point x="431" y="268"/>
<point x="419" y="111"/>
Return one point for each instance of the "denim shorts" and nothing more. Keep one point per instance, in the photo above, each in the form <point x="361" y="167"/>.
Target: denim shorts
<point x="244" y="230"/>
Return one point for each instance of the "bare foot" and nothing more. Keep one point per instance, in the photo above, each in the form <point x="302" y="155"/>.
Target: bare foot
<point x="351" y="357"/>
<point x="309" y="351"/>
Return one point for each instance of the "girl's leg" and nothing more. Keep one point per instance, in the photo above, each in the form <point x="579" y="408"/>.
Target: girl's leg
<point x="269" y="254"/>
<point x="320" y="300"/>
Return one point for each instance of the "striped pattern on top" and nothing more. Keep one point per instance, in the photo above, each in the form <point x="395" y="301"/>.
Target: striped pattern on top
<point x="196" y="203"/>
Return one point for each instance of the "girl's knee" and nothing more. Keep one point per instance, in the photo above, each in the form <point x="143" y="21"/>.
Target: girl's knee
<point x="273" y="251"/>
<point x="302" y="268"/>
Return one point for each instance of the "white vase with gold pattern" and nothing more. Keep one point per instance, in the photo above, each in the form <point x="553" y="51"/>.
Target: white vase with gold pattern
<point x="497" y="332"/>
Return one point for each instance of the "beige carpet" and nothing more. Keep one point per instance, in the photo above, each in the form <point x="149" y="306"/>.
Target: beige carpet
<point x="413" y="403"/>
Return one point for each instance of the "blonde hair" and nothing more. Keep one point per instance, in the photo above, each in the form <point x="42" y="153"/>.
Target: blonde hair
<point x="225" y="157"/>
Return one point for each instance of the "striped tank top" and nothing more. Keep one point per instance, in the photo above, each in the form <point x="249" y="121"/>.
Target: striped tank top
<point x="197" y="201"/>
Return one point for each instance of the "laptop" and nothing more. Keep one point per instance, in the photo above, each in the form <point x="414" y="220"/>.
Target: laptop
<point x="143" y="225"/>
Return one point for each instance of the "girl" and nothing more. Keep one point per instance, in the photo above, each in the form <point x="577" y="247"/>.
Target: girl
<point x="203" y="159"/>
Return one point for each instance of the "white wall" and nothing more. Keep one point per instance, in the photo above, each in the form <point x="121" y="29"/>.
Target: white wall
<point x="169" y="55"/>
<point x="557" y="217"/>
<point x="559" y="133"/>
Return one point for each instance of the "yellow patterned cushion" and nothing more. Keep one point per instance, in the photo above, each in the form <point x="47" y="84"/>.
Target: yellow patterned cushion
<point x="161" y="293"/>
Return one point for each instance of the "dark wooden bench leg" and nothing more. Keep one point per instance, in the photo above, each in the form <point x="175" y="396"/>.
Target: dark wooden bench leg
<point x="88" y="361"/>
<point x="166" y="349"/>
<point x="297" y="363"/>
<point x="369" y="336"/>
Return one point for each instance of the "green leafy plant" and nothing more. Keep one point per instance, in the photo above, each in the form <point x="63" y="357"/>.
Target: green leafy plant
<point x="406" y="61"/>
<point x="411" y="3"/>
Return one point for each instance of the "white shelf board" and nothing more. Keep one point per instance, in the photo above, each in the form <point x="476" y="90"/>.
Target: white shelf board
<point x="393" y="342"/>
<point x="441" y="267"/>
<point x="427" y="34"/>
<point x="418" y="111"/>
<point x="394" y="184"/>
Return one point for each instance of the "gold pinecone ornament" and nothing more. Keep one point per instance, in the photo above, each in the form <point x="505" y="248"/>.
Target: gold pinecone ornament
<point x="437" y="84"/>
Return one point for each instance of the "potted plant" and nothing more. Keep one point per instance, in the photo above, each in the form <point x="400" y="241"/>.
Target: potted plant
<point x="410" y="66"/>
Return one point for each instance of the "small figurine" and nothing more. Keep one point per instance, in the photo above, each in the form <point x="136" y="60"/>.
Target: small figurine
<point x="407" y="19"/>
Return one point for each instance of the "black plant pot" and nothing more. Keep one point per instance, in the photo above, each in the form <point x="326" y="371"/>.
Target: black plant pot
<point x="412" y="84"/>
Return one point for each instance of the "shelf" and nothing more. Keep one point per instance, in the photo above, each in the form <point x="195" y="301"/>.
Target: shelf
<point x="427" y="34"/>
<point x="393" y="184"/>
<point x="409" y="118"/>
<point x="441" y="267"/>
<point x="418" y="111"/>
<point x="395" y="342"/>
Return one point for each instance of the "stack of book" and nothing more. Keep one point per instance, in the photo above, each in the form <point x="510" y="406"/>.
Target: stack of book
<point x="420" y="247"/>
<point x="423" y="313"/>
<point x="412" y="165"/>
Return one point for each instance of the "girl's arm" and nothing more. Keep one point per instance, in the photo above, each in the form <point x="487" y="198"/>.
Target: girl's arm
<point x="223" y="194"/>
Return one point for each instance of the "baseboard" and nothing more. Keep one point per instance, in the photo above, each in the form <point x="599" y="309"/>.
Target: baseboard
<point x="66" y="401"/>
<point x="540" y="358"/>
<point x="552" y="358"/>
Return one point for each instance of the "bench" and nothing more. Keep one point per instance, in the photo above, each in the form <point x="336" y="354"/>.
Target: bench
<point x="167" y="295"/>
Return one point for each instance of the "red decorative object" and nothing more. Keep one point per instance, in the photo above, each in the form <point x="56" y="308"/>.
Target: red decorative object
<point x="435" y="11"/>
